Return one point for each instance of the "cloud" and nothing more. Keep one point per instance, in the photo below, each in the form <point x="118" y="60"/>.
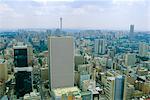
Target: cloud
<point x="7" y="11"/>
<point x="40" y="0"/>
<point x="129" y="2"/>
<point x="75" y="13"/>
<point x="4" y="8"/>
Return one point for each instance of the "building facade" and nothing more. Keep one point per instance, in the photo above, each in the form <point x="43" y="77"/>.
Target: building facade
<point x="61" y="62"/>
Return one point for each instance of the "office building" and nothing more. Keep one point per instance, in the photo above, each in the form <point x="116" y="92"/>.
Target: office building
<point x="82" y="78"/>
<point x="23" y="55"/>
<point x="130" y="89"/>
<point x="110" y="86"/>
<point x="87" y="95"/>
<point x="23" y="83"/>
<point x="44" y="74"/>
<point x="131" y="28"/>
<point x="85" y="68"/>
<point x="109" y="63"/>
<point x="20" y="56"/>
<point x="100" y="46"/>
<point x="143" y="49"/>
<point x="96" y="46"/>
<point x="130" y="59"/>
<point x="2" y="88"/>
<point x="3" y="70"/>
<point x="61" y="62"/>
<point x="116" y="88"/>
<point x="111" y="53"/>
<point x="30" y="55"/>
<point x="120" y="86"/>
<point x="79" y="59"/>
<point x="23" y="72"/>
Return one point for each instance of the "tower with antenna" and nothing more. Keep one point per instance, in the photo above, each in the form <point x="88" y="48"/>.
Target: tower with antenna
<point x="60" y="23"/>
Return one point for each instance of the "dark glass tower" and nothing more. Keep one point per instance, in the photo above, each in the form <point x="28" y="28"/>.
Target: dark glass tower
<point x="23" y="83"/>
<point x="23" y="71"/>
<point x="119" y="87"/>
<point x="20" y="57"/>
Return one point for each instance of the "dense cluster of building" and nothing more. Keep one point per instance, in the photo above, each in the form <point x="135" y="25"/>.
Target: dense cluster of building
<point x="75" y="65"/>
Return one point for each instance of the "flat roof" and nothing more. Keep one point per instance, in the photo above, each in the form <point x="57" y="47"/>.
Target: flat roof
<point x="61" y="91"/>
<point x="20" y="47"/>
<point x="111" y="78"/>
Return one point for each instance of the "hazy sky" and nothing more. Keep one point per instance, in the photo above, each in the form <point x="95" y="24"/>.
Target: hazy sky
<point x="94" y="14"/>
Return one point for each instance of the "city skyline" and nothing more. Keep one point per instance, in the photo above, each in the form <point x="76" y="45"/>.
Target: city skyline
<point x="76" y="14"/>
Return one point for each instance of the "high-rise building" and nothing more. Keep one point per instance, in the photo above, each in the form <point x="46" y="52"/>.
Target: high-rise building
<point x="23" y="72"/>
<point x="61" y="23"/>
<point x="23" y="83"/>
<point x="3" y="70"/>
<point x="143" y="49"/>
<point x="130" y="89"/>
<point x="30" y="55"/>
<point x="116" y="88"/>
<point x="2" y="88"/>
<point x="79" y="59"/>
<point x="82" y="78"/>
<point x="20" y="56"/>
<point x="120" y="87"/>
<point x="61" y="62"/>
<point x="130" y="59"/>
<point x="131" y="28"/>
<point x="96" y="46"/>
<point x="100" y="46"/>
<point x="44" y="74"/>
<point x="23" y="55"/>
<point x="110" y="86"/>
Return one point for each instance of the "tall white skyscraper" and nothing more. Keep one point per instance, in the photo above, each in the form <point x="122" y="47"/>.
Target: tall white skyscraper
<point x="100" y="46"/>
<point x="61" y="62"/>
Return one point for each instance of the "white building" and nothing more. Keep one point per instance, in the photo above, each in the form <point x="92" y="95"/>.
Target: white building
<point x="61" y="62"/>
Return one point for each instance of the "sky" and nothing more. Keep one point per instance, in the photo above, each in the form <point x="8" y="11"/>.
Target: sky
<point x="76" y="14"/>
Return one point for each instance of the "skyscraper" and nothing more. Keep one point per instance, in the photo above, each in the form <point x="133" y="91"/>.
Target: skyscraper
<point x="116" y="88"/>
<point x="131" y="28"/>
<point x="61" y="62"/>
<point x="110" y="88"/>
<point x="20" y="56"/>
<point x="130" y="59"/>
<point x="96" y="46"/>
<point x="119" y="88"/>
<point x="3" y="70"/>
<point x="30" y="55"/>
<point x="143" y="49"/>
<point x="100" y="46"/>
<point x="61" y="23"/>
<point x="23" y="55"/>
<point x="23" y="72"/>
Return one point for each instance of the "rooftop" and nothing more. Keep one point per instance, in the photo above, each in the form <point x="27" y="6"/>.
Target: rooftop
<point x="61" y="91"/>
